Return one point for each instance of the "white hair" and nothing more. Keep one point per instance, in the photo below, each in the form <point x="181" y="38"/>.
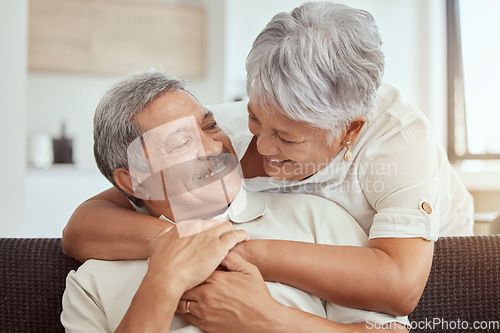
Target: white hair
<point x="320" y="64"/>
<point x="115" y="125"/>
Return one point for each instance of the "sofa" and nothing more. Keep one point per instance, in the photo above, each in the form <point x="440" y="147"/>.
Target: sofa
<point x="462" y="293"/>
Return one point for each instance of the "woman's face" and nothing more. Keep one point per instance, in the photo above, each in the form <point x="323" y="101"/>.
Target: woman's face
<point x="290" y="149"/>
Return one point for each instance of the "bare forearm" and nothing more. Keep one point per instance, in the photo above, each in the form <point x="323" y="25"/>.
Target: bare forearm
<point x="360" y="277"/>
<point x="318" y="269"/>
<point x="100" y="229"/>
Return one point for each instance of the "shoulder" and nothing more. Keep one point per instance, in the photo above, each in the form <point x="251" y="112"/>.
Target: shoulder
<point x="309" y="205"/>
<point x="391" y="109"/>
<point x="104" y="282"/>
<point x="331" y="222"/>
<point x="94" y="271"/>
<point x="302" y="200"/>
<point x="389" y="98"/>
<point x="393" y="127"/>
<point x="93" y="265"/>
<point x="98" y="294"/>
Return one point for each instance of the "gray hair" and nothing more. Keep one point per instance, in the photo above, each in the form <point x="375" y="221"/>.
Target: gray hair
<point x="321" y="65"/>
<point x="115" y="125"/>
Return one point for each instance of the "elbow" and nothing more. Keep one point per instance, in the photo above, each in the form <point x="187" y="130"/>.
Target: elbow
<point x="69" y="246"/>
<point x="66" y="243"/>
<point x="406" y="277"/>
<point x="73" y="240"/>
<point x="404" y="293"/>
<point x="406" y="299"/>
<point x="406" y="304"/>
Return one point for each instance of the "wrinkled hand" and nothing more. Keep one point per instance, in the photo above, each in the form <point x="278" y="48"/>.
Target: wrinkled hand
<point x="234" y="301"/>
<point x="191" y="259"/>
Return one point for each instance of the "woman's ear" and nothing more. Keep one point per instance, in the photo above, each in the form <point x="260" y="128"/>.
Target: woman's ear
<point x="354" y="129"/>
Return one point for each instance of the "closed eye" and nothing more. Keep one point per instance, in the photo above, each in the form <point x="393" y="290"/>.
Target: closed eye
<point x="286" y="141"/>
<point x="252" y="118"/>
<point x="211" y="126"/>
<point x="185" y="143"/>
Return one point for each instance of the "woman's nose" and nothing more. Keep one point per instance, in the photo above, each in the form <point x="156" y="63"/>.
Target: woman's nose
<point x="266" y="145"/>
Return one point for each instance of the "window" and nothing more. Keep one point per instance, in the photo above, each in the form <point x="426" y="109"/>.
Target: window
<point x="473" y="30"/>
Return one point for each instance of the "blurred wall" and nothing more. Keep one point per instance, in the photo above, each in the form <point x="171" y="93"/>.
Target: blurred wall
<point x="13" y="28"/>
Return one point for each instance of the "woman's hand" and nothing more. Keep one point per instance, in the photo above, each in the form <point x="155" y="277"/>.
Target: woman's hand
<point x="402" y="265"/>
<point x="239" y="301"/>
<point x="188" y="257"/>
<point x="234" y="301"/>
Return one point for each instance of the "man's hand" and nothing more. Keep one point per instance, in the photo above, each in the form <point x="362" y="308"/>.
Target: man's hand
<point x="189" y="260"/>
<point x="176" y="265"/>
<point x="234" y="301"/>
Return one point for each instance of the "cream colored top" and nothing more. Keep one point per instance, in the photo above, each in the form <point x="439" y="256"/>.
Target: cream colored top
<point x="98" y="295"/>
<point x="399" y="183"/>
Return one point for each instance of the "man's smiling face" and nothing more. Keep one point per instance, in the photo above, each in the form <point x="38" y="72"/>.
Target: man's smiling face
<point x="192" y="170"/>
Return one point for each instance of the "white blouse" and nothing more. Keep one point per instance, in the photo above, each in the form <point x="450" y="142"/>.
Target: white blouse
<point x="399" y="183"/>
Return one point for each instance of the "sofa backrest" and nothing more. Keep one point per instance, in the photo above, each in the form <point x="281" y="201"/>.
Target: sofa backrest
<point x="33" y="278"/>
<point x="463" y="287"/>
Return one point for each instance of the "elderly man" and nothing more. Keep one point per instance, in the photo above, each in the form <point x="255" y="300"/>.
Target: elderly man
<point x="164" y="150"/>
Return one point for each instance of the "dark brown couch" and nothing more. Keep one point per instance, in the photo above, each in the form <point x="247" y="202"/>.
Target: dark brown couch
<point x="463" y="287"/>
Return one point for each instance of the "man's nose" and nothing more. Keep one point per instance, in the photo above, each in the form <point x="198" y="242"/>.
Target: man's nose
<point x="266" y="144"/>
<point x="211" y="147"/>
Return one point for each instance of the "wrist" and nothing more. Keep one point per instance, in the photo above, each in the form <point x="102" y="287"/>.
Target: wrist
<point x="246" y="251"/>
<point x="289" y="319"/>
<point x="277" y="318"/>
<point x="258" y="253"/>
<point x="295" y="320"/>
<point x="166" y="284"/>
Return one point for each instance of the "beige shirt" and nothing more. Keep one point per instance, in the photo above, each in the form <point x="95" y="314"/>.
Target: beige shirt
<point x="98" y="295"/>
<point x="399" y="183"/>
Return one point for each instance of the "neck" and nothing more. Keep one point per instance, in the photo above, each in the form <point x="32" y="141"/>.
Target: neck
<point x="205" y="216"/>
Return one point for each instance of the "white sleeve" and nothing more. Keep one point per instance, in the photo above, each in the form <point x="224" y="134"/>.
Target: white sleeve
<point x="82" y="311"/>
<point x="400" y="179"/>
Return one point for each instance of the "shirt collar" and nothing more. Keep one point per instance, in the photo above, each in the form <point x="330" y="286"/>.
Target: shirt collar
<point x="245" y="207"/>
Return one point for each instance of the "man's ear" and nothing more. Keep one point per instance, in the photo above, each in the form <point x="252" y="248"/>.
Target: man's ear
<point x="354" y="129"/>
<point x="122" y="179"/>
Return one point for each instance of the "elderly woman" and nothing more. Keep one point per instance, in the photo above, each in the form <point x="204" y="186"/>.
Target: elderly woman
<point x="321" y="122"/>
